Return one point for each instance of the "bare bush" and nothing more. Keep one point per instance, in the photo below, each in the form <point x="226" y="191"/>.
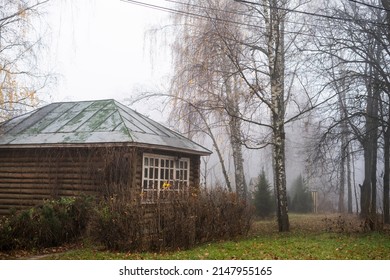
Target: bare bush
<point x="198" y="217"/>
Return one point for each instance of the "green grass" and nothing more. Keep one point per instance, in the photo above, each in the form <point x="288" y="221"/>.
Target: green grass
<point x="311" y="237"/>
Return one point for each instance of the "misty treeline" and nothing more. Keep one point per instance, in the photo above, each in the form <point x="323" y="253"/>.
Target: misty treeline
<point x="256" y="74"/>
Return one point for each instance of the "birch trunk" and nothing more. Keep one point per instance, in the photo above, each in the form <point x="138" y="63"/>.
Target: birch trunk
<point x="235" y="138"/>
<point x="219" y="153"/>
<point x="275" y="30"/>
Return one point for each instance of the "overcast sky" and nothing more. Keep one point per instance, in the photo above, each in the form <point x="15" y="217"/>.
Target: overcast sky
<point x="97" y="50"/>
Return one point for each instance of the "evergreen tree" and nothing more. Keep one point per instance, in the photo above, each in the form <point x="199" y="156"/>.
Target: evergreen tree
<point x="264" y="200"/>
<point x="301" y="201"/>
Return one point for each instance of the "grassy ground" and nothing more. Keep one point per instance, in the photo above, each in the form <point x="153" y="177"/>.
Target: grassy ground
<point x="311" y="237"/>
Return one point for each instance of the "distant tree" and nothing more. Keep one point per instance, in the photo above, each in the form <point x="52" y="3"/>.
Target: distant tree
<point x="263" y="200"/>
<point x="301" y="201"/>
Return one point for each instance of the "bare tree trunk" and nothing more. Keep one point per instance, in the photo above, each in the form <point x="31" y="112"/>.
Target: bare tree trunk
<point x="232" y="107"/>
<point x="386" y="181"/>
<point x="365" y="188"/>
<point x="344" y="146"/>
<point x="219" y="153"/>
<point x="349" y="181"/>
<point x="280" y="179"/>
<point x="241" y="187"/>
<point x="275" y="30"/>
<point x="376" y="91"/>
<point x="373" y="176"/>
<point x="354" y="185"/>
<point x="386" y="176"/>
<point x="368" y="191"/>
<point x="341" y="207"/>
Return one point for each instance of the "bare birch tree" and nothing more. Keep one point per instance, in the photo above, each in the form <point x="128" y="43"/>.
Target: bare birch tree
<point x="20" y="44"/>
<point x="265" y="76"/>
<point x="204" y="76"/>
<point x="258" y="56"/>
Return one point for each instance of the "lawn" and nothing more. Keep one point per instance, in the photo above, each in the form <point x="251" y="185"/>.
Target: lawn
<point x="321" y="237"/>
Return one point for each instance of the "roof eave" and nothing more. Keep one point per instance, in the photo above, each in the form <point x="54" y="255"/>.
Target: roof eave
<point x="205" y="152"/>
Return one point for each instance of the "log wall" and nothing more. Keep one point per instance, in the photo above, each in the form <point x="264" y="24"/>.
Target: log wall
<point x="29" y="176"/>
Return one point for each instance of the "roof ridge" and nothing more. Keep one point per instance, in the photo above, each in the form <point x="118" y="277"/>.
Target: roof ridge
<point x="123" y="122"/>
<point x="176" y="133"/>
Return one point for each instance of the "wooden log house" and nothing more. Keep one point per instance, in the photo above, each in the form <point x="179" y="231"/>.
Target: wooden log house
<point x="92" y="147"/>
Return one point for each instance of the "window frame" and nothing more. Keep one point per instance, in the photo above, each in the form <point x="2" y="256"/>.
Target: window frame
<point x="163" y="176"/>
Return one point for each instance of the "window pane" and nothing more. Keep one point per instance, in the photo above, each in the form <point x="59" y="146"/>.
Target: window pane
<point x="156" y="162"/>
<point x="162" y="163"/>
<point x="156" y="173"/>
<point x="151" y="162"/>
<point x="146" y="161"/>
<point x="185" y="175"/>
<point x="146" y="173"/>
<point x="151" y="173"/>
<point x="185" y="165"/>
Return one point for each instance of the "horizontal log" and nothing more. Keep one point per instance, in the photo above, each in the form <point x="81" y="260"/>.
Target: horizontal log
<point x="44" y="186"/>
<point x="48" y="165"/>
<point x="49" y="158"/>
<point x="45" y="165"/>
<point x="16" y="191"/>
<point x="50" y="193"/>
<point x="21" y="185"/>
<point x="69" y="193"/>
<point x="21" y="202"/>
<point x="72" y="176"/>
<point x="24" y="197"/>
<point x="16" y="186"/>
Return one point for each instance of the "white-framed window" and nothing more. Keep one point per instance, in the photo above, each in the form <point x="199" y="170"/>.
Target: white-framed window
<point x="163" y="175"/>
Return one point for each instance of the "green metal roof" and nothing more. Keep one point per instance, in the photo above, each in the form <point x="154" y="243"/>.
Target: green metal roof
<point x="91" y="122"/>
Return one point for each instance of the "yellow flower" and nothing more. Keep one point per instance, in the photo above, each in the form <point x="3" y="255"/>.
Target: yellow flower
<point x="166" y="185"/>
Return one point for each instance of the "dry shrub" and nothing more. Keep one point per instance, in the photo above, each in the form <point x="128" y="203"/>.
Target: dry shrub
<point x="344" y="223"/>
<point x="221" y="215"/>
<point x="184" y="221"/>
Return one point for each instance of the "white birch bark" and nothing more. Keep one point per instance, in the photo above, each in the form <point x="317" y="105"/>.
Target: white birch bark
<point x="275" y="28"/>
